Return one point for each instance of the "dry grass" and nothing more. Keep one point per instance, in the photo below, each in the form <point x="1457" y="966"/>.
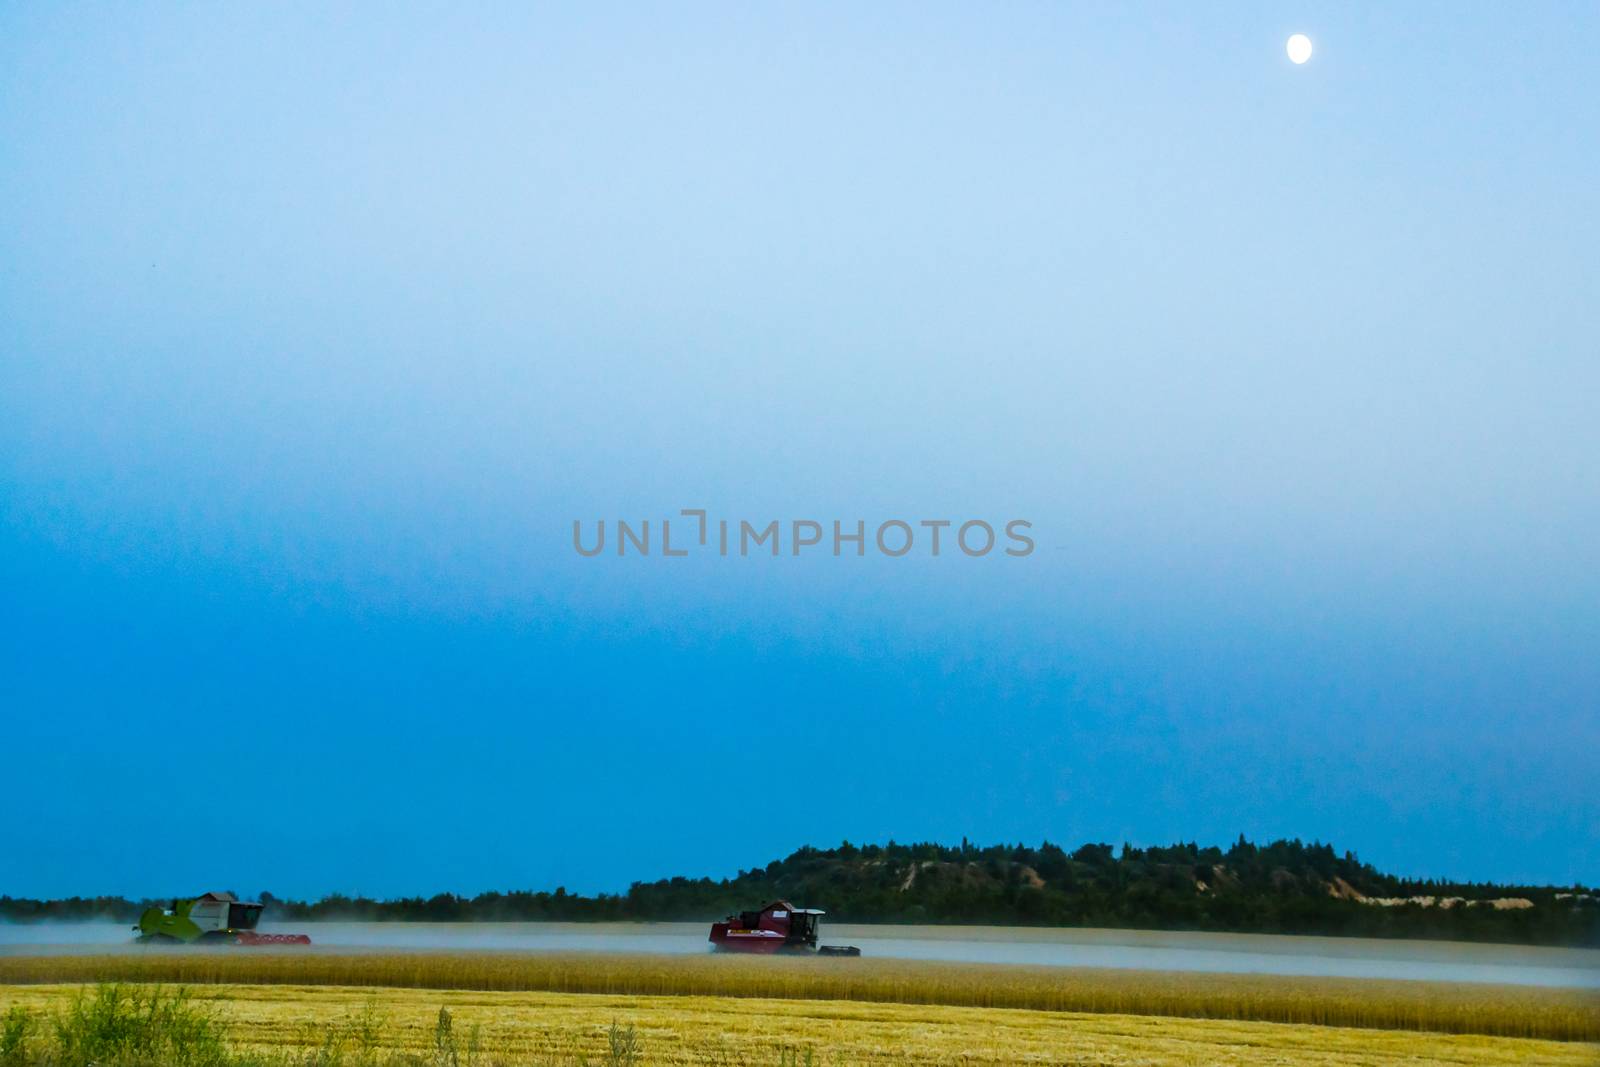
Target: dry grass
<point x="558" y="1028"/>
<point x="1506" y="1011"/>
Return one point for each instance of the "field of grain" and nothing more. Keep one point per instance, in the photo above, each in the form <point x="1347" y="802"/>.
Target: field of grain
<point x="1459" y="1008"/>
<point x="311" y="1026"/>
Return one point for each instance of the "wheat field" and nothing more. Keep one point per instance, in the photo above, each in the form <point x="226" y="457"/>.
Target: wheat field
<point x="290" y="1021"/>
<point x="1460" y="1008"/>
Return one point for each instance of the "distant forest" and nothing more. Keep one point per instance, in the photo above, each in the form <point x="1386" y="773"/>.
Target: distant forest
<point x="1286" y="887"/>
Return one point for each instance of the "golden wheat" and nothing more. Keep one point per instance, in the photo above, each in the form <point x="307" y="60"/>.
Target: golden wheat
<point x="289" y="1023"/>
<point x="1510" y="1011"/>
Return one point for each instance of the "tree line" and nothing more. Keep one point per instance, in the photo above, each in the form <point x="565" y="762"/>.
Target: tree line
<point x="1286" y="886"/>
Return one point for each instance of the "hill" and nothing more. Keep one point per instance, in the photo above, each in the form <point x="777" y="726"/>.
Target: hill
<point x="1282" y="887"/>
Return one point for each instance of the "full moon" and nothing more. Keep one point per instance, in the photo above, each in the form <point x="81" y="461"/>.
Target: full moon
<point x="1299" y="48"/>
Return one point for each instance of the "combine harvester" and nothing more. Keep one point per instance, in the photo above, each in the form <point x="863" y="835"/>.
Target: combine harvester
<point x="211" y="919"/>
<point x="778" y="927"/>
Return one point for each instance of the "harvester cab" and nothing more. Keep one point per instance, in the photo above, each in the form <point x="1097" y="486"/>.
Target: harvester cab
<point x="803" y="923"/>
<point x="210" y="918"/>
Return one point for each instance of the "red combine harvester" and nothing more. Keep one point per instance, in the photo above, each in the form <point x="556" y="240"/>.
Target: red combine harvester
<point x="778" y="927"/>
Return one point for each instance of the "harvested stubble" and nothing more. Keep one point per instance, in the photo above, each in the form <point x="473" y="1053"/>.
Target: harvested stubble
<point x="1510" y="1011"/>
<point x="334" y="1026"/>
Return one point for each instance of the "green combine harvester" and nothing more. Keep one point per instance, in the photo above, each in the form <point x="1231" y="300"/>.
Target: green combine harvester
<point x="209" y="919"/>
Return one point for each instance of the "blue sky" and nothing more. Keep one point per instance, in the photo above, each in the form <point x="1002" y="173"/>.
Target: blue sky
<point x="318" y="330"/>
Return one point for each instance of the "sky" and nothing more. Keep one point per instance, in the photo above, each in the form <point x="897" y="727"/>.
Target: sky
<point x="320" y="328"/>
